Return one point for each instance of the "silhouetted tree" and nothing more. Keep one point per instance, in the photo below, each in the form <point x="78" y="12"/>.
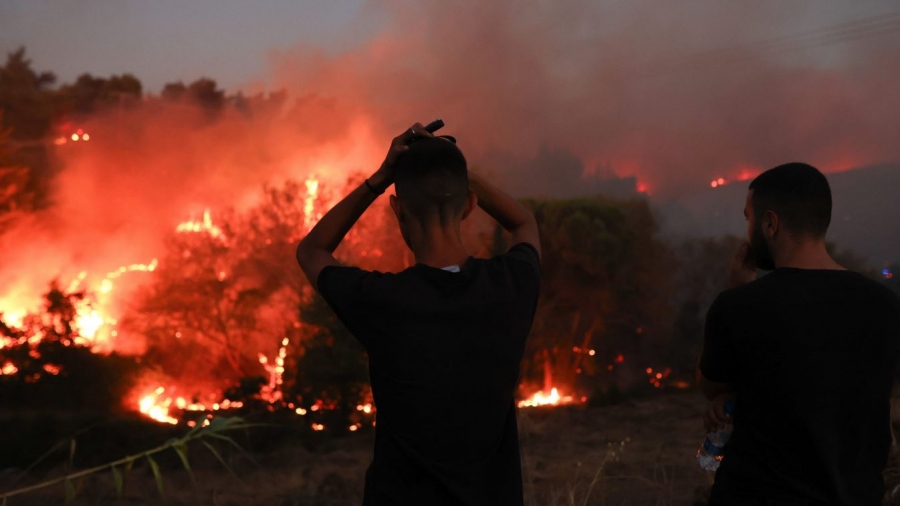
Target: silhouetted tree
<point x="89" y="94"/>
<point x="205" y="93"/>
<point x="174" y="91"/>
<point x="25" y="97"/>
<point x="15" y="196"/>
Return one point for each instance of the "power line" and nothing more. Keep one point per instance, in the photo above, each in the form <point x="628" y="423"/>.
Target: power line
<point x="835" y="34"/>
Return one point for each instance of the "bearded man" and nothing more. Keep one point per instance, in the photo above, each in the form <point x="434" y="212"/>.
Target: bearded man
<point x="808" y="350"/>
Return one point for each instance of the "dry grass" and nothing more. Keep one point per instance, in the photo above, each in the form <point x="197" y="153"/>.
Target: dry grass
<point x="636" y="453"/>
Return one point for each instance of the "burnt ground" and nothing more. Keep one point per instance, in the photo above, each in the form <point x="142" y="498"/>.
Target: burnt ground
<point x="640" y="452"/>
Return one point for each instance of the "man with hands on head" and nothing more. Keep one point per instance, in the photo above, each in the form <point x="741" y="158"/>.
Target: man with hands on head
<point x="809" y="351"/>
<point x="445" y="336"/>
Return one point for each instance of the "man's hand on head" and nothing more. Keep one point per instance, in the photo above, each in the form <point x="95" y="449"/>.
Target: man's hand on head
<point x="384" y="177"/>
<point x="316" y="251"/>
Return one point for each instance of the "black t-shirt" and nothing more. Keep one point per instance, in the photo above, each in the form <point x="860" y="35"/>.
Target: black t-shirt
<point x="812" y="354"/>
<point x="444" y="351"/>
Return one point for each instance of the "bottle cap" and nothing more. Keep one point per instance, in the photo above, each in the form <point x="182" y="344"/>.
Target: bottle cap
<point x="729" y="406"/>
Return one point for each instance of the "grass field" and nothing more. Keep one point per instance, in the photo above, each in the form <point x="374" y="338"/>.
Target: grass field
<point x="636" y="453"/>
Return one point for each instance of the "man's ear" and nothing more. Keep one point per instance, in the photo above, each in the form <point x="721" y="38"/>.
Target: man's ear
<point x="770" y="225"/>
<point x="471" y="204"/>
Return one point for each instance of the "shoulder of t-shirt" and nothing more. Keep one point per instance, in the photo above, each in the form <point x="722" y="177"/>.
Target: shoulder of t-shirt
<point x="524" y="250"/>
<point x="857" y="281"/>
<point x="879" y="291"/>
<point x="344" y="275"/>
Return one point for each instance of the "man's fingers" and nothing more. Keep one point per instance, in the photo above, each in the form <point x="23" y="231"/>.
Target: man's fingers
<point x="401" y="142"/>
<point x="720" y="412"/>
<point x="418" y="131"/>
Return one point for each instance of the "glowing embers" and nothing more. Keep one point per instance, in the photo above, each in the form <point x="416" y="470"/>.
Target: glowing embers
<point x="715" y="183"/>
<point x="656" y="378"/>
<point x="8" y="369"/>
<point x="204" y="225"/>
<point x="78" y="135"/>
<point x="541" y="399"/>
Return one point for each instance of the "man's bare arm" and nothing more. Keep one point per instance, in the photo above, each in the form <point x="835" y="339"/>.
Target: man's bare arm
<point x="718" y="394"/>
<point x="316" y="250"/>
<point x="712" y="389"/>
<point x="509" y="212"/>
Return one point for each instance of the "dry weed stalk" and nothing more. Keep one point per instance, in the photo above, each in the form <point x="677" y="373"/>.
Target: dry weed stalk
<point x="121" y="467"/>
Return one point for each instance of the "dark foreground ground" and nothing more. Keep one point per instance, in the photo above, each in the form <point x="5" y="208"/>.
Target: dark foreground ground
<point x="637" y="453"/>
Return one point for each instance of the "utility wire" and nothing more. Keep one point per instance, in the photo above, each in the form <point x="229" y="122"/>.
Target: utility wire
<point x="835" y="34"/>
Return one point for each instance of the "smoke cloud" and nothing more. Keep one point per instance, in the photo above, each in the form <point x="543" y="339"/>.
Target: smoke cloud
<point x="675" y="95"/>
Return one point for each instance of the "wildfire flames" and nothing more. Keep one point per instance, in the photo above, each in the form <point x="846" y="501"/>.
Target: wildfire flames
<point x="542" y="399"/>
<point x="161" y="408"/>
<point x="96" y="325"/>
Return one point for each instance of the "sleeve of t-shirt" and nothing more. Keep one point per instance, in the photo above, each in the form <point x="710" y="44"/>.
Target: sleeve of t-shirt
<point x="718" y="360"/>
<point x="342" y="288"/>
<point x="527" y="253"/>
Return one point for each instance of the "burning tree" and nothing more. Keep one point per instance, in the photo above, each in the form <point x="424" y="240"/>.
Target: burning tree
<point x="225" y="293"/>
<point x="229" y="311"/>
<point x="603" y="304"/>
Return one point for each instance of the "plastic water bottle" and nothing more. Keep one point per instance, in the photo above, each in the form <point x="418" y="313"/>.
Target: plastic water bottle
<point x="709" y="456"/>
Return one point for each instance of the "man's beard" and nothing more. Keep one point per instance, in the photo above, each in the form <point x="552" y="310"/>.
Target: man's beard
<point x="761" y="254"/>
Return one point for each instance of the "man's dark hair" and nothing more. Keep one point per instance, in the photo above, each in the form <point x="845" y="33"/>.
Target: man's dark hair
<point x="432" y="181"/>
<point x="799" y="194"/>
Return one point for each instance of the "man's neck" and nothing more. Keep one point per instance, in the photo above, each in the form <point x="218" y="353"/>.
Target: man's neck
<point x="439" y="247"/>
<point x="806" y="254"/>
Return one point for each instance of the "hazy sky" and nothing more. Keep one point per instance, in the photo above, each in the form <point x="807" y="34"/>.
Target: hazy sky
<point x="168" y="40"/>
<point x="231" y="40"/>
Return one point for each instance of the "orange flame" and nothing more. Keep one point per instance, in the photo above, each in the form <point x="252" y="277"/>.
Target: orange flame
<point x="310" y="217"/>
<point x="160" y="408"/>
<point x="542" y="399"/>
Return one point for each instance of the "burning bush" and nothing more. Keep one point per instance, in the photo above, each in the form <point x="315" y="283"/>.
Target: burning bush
<point x="47" y="364"/>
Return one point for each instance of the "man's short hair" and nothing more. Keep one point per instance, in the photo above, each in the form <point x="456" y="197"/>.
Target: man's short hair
<point x="432" y="181"/>
<point x="799" y="194"/>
